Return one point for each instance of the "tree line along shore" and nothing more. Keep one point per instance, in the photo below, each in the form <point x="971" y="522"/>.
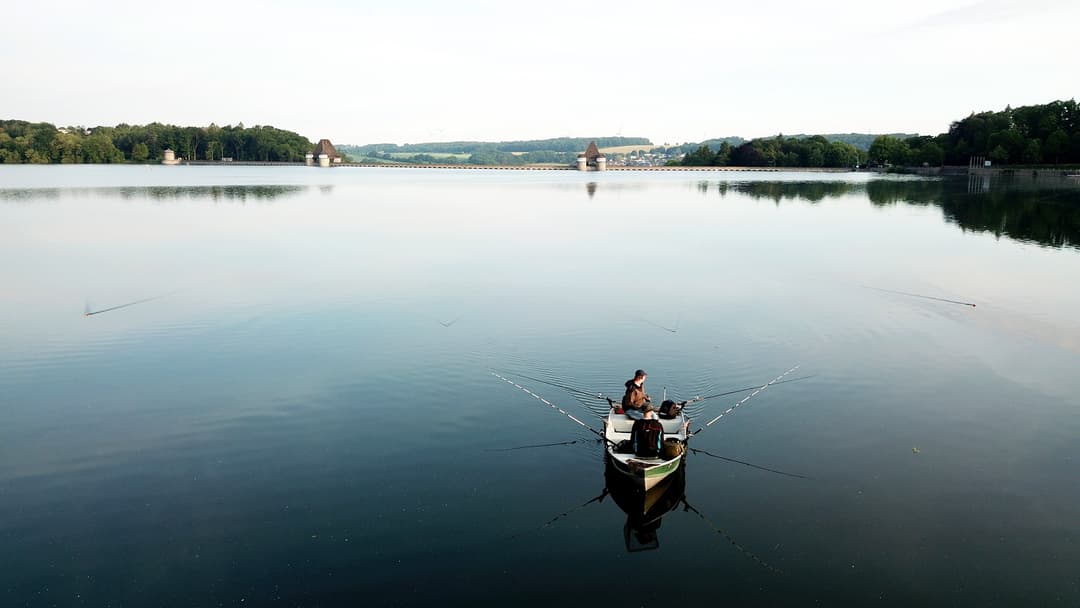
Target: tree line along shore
<point x="1047" y="134"/>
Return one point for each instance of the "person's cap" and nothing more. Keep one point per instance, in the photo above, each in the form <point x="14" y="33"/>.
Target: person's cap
<point x="647" y="407"/>
<point x="639" y="373"/>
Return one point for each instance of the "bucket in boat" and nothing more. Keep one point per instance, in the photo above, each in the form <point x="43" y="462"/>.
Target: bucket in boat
<point x="673" y="448"/>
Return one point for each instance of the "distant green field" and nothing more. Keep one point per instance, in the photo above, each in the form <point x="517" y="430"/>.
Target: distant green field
<point x="626" y="149"/>
<point x="407" y="155"/>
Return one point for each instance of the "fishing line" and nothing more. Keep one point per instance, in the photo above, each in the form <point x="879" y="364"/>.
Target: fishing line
<point x="87" y="312"/>
<point x="915" y="295"/>
<point x="526" y="447"/>
<point x="745" y="399"/>
<point x="658" y="326"/>
<point x="696" y="450"/>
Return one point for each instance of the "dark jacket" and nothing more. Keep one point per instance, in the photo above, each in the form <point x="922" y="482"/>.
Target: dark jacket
<point x="635" y="396"/>
<point x="647" y="438"/>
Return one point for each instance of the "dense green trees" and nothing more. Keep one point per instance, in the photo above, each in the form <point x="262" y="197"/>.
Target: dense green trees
<point x="778" y="151"/>
<point x="1031" y="135"/>
<point x="24" y="142"/>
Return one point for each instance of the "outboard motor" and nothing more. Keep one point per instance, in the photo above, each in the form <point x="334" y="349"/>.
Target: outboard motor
<point x="669" y="409"/>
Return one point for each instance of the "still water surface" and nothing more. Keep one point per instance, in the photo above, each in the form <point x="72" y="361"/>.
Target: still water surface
<point x="303" y="414"/>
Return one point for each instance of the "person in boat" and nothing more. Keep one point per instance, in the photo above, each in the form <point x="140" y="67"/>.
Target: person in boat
<point x="647" y="434"/>
<point x="635" y="398"/>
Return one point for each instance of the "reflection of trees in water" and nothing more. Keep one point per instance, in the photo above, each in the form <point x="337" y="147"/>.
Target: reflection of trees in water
<point x="809" y="191"/>
<point x="1012" y="208"/>
<point x="215" y="193"/>
<point x="1047" y="216"/>
<point x="159" y="193"/>
<point x="24" y="195"/>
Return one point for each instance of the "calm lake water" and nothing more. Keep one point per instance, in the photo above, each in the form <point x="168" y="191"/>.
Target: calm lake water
<point x="297" y="408"/>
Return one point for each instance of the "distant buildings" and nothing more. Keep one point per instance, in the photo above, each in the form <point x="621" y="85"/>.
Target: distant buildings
<point x="325" y="153"/>
<point x="591" y="159"/>
<point x="170" y="158"/>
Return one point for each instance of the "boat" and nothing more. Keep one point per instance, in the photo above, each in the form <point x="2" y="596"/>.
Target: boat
<point x="645" y="472"/>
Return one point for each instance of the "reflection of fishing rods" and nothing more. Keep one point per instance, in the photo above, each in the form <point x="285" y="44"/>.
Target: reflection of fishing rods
<point x="745" y="399"/>
<point x="553" y="406"/>
<point x="915" y="295"/>
<point x="727" y="537"/>
<point x="599" y="498"/>
<point x="88" y="313"/>
<point x="696" y="450"/>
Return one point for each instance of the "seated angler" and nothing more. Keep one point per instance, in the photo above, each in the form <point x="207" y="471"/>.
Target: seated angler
<point x="635" y="397"/>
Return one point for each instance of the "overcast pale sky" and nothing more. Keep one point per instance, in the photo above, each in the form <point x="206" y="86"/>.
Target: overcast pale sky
<point x="365" y="72"/>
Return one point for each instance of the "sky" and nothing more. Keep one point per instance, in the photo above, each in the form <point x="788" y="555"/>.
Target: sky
<point x="361" y="72"/>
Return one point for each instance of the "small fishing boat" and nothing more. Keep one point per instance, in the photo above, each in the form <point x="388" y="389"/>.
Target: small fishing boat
<point x="645" y="472"/>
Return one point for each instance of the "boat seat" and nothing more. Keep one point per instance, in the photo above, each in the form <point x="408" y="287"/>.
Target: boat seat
<point x="624" y="423"/>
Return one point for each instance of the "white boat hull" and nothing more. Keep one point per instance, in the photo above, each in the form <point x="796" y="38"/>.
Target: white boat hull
<point x="645" y="472"/>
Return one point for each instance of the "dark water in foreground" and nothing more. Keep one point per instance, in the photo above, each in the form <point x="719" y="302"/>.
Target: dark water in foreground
<point x="304" y="416"/>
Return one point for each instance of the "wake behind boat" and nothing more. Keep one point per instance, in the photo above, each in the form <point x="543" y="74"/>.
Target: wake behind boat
<point x="645" y="472"/>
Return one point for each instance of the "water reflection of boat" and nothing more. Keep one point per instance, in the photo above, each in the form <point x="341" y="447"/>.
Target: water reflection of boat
<point x="644" y="508"/>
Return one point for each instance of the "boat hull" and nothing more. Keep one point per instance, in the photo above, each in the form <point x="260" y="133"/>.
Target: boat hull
<point x="646" y="473"/>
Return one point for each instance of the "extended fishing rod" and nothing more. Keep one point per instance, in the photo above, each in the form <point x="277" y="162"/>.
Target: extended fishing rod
<point x="553" y="406"/>
<point x="740" y="390"/>
<point x="745" y="399"/>
<point x="565" y="387"/>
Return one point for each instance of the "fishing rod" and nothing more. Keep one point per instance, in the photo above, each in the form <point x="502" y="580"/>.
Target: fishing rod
<point x="741" y="390"/>
<point x="696" y="450"/>
<point x="553" y="406"/>
<point x="565" y="387"/>
<point x="915" y="295"/>
<point x="745" y="399"/>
